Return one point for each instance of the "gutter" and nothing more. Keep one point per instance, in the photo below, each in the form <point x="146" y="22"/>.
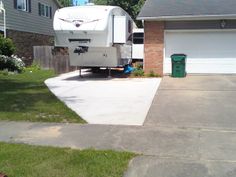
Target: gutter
<point x="190" y="17"/>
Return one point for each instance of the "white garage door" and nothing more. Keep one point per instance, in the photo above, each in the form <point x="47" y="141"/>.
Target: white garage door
<point x="207" y="51"/>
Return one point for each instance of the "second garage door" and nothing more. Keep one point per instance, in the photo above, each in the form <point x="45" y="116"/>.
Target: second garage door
<point x="207" y="51"/>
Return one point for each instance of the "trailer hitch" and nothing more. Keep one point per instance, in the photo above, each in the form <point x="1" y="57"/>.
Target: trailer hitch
<point x="81" y="49"/>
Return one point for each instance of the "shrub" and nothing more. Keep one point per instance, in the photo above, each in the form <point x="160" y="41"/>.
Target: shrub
<point x="152" y="74"/>
<point x="138" y="72"/>
<point x="7" y="47"/>
<point x="139" y="65"/>
<point x="33" y="67"/>
<point x="12" y="63"/>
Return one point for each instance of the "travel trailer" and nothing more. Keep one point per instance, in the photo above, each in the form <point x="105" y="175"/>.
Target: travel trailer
<point x="137" y="44"/>
<point x="96" y="36"/>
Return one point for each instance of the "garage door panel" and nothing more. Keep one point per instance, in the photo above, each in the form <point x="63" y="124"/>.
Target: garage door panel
<point x="201" y="65"/>
<point x="207" y="52"/>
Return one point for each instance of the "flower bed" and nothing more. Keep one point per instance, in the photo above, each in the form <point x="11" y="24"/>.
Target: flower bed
<point x="12" y="63"/>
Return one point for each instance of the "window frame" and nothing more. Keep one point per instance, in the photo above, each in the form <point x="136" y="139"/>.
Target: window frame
<point x="26" y="9"/>
<point x="45" y="10"/>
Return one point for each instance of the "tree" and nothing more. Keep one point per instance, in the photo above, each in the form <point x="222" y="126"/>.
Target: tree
<point x="132" y="7"/>
<point x="66" y="3"/>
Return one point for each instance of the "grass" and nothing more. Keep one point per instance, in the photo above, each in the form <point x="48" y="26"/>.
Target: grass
<point x="34" y="161"/>
<point x="25" y="97"/>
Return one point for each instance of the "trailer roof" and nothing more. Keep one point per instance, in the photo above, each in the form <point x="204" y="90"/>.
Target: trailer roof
<point x="89" y="17"/>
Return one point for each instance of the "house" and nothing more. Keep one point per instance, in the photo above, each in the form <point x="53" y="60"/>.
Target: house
<point x="204" y="30"/>
<point x="29" y="23"/>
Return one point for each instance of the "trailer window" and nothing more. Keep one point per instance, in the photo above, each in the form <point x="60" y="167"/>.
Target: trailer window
<point x="138" y="38"/>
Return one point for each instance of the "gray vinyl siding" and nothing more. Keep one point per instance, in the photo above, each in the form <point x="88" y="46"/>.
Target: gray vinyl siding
<point x="204" y="24"/>
<point x="29" y="22"/>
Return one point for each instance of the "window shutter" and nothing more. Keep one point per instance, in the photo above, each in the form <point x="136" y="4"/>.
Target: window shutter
<point x="50" y="12"/>
<point x="15" y="4"/>
<point x="29" y="8"/>
<point x="39" y="4"/>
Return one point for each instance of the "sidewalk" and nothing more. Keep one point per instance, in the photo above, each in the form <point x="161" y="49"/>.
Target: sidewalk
<point x="193" y="144"/>
<point x="182" y="150"/>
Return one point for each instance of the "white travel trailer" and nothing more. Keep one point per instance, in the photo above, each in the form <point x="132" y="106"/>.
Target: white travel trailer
<point x="97" y="36"/>
<point x="137" y="44"/>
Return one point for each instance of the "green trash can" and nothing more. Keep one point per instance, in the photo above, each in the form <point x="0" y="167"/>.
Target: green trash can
<point x="178" y="65"/>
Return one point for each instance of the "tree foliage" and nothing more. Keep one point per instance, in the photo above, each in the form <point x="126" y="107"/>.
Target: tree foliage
<point x="132" y="7"/>
<point x="7" y="47"/>
<point x="66" y="3"/>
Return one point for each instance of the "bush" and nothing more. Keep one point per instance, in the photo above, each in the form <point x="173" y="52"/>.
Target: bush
<point x="138" y="72"/>
<point x="7" y="47"/>
<point x="12" y="63"/>
<point x="139" y="65"/>
<point x="33" y="67"/>
<point x="152" y="74"/>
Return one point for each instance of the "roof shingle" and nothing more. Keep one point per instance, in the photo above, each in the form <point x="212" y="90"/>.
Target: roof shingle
<point x="172" y="8"/>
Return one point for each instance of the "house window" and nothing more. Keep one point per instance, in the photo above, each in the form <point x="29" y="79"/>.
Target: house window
<point x="23" y="5"/>
<point x="45" y="10"/>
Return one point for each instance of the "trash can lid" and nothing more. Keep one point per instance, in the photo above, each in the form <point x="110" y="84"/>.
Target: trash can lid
<point x="178" y="55"/>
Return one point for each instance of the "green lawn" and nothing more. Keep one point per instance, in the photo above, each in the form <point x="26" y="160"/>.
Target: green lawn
<point x="25" y="97"/>
<point x="18" y="160"/>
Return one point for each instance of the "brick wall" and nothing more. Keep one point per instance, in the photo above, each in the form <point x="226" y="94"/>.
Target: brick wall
<point x="25" y="41"/>
<point x="153" y="46"/>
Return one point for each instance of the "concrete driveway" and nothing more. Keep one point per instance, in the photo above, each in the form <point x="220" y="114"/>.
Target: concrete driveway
<point x="101" y="100"/>
<point x="195" y="101"/>
<point x="203" y="106"/>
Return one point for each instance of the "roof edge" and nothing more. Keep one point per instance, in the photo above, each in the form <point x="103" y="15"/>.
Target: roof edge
<point x="189" y="17"/>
